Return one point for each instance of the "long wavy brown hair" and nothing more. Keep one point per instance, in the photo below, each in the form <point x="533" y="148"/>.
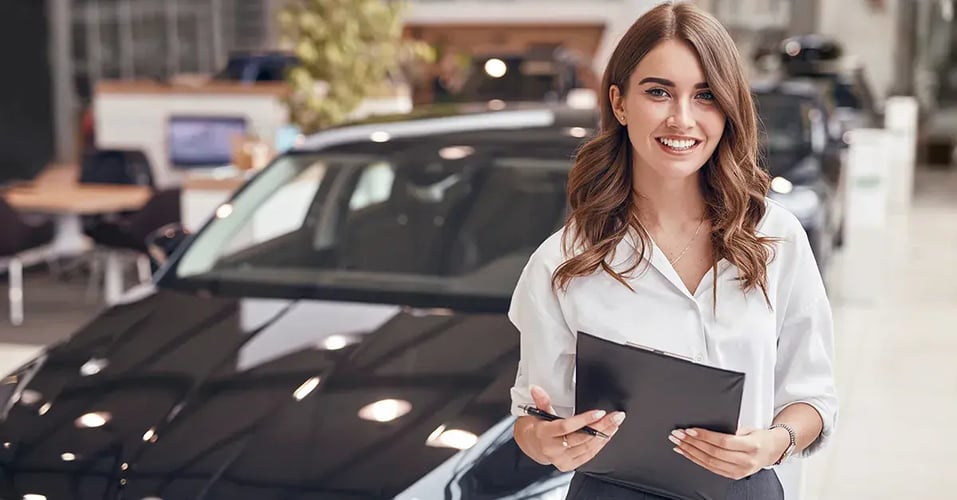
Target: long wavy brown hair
<point x="600" y="191"/>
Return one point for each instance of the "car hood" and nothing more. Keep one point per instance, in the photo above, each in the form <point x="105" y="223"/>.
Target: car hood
<point x="250" y="398"/>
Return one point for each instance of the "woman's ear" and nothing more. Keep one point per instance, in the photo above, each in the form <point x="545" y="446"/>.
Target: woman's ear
<point x="616" y="99"/>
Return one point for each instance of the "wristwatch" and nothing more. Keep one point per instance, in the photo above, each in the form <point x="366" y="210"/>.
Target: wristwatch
<point x="790" y="449"/>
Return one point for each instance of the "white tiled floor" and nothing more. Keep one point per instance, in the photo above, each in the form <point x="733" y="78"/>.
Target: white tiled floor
<point x="895" y="304"/>
<point x="894" y="293"/>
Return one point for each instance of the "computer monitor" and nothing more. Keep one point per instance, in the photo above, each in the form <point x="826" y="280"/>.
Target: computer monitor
<point x="203" y="141"/>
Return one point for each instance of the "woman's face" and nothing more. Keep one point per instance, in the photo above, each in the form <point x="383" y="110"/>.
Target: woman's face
<point x="673" y="121"/>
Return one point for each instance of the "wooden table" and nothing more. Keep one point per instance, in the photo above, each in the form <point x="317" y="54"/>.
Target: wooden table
<point x="77" y="199"/>
<point x="56" y="192"/>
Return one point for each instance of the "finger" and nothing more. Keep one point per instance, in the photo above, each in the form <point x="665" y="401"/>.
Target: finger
<point x="709" y="464"/>
<point x="725" y="441"/>
<point x="577" y="439"/>
<point x="610" y="422"/>
<point x="587" y="450"/>
<point x="608" y="425"/>
<point x="733" y="457"/>
<point x="569" y="425"/>
<point x="541" y="398"/>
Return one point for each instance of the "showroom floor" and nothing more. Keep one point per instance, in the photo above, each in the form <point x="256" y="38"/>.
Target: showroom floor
<point x="895" y="306"/>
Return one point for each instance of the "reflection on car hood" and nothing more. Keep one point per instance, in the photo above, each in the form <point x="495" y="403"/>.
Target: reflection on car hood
<point x="203" y="396"/>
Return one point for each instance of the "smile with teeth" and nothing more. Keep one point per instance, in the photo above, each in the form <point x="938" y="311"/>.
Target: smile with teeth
<point x="678" y="144"/>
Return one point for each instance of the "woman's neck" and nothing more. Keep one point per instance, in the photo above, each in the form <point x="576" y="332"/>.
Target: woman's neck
<point x="668" y="202"/>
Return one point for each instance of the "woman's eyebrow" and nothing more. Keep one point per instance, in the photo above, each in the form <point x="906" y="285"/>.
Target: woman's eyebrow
<point x="669" y="83"/>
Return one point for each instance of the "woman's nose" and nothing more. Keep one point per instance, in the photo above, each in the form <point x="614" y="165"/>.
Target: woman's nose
<point x="681" y="116"/>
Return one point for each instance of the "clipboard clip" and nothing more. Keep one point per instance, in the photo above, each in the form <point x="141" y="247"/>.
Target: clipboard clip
<point x="659" y="351"/>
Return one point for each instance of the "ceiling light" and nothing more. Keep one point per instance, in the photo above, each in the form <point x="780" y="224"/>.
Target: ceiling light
<point x="792" y="48"/>
<point x="496" y="68"/>
<point x="335" y="342"/>
<point x="456" y="152"/>
<point x="93" y="420"/>
<point x="34" y="496"/>
<point x="224" y="210"/>
<point x="45" y="408"/>
<point x="149" y="434"/>
<point x="306" y="388"/>
<point x="578" y="132"/>
<point x="30" y="397"/>
<point x="496" y="105"/>
<point x="380" y="136"/>
<point x="68" y="457"/>
<point x="452" y="438"/>
<point x="7" y="445"/>
<point x="96" y="365"/>
<point x="386" y="410"/>
<point x="781" y="185"/>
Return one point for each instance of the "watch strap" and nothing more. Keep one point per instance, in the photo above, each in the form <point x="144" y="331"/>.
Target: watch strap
<point x="791" y="446"/>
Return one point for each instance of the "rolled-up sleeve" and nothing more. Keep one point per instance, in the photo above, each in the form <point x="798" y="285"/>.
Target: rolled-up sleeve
<point x="804" y="371"/>
<point x="547" y="342"/>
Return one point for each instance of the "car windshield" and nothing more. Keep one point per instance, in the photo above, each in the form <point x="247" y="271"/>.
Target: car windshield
<point x="439" y="222"/>
<point x="785" y="121"/>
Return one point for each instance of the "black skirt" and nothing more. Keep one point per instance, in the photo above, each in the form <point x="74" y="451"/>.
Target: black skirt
<point x="763" y="485"/>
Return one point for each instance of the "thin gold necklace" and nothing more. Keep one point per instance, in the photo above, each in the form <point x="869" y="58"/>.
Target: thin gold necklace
<point x="682" y="254"/>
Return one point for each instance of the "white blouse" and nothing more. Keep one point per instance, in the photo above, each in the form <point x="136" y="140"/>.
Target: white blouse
<point x="786" y="352"/>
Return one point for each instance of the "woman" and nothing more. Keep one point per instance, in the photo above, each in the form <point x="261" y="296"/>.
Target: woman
<point x="671" y="243"/>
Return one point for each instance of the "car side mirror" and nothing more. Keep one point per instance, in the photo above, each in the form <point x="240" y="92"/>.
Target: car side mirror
<point x="163" y="242"/>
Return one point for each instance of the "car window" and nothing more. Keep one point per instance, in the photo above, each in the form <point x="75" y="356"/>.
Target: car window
<point x="405" y="221"/>
<point x="786" y="122"/>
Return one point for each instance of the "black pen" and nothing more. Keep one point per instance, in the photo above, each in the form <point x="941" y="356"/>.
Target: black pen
<point x="544" y="415"/>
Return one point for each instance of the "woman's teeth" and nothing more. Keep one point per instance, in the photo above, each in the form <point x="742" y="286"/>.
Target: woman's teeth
<point x="678" y="144"/>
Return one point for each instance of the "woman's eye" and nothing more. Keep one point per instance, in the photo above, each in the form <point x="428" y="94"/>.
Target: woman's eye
<point x="708" y="96"/>
<point x="657" y="92"/>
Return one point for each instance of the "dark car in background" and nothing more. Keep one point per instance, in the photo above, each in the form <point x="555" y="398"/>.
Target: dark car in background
<point x="337" y="330"/>
<point x="822" y="59"/>
<point x="549" y="76"/>
<point x="804" y="158"/>
<point x="252" y="67"/>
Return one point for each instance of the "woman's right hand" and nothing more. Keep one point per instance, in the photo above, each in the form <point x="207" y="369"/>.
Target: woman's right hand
<point x="557" y="442"/>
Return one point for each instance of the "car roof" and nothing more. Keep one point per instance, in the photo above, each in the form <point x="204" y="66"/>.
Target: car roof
<point x="454" y="118"/>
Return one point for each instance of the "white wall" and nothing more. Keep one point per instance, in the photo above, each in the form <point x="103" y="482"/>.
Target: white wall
<point x="869" y="34"/>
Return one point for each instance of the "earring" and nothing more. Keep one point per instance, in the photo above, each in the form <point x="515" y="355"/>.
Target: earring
<point x="621" y="118"/>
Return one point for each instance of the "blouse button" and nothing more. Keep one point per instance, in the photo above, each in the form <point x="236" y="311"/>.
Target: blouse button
<point x="698" y="358"/>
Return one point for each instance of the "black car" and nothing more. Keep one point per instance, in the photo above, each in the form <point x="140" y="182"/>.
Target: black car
<point x="804" y="158"/>
<point x="549" y="76"/>
<point x="822" y="59"/>
<point x="336" y="331"/>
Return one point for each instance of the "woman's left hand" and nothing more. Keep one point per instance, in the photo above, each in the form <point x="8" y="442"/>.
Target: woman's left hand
<point x="732" y="456"/>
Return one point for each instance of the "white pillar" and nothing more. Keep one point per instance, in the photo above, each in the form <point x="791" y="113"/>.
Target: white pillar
<point x="900" y="120"/>
<point x="60" y="21"/>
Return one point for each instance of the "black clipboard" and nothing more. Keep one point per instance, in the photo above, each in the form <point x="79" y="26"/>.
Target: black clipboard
<point x="659" y="393"/>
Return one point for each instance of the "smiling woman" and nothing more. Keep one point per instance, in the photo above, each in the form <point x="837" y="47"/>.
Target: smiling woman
<point x="672" y="185"/>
